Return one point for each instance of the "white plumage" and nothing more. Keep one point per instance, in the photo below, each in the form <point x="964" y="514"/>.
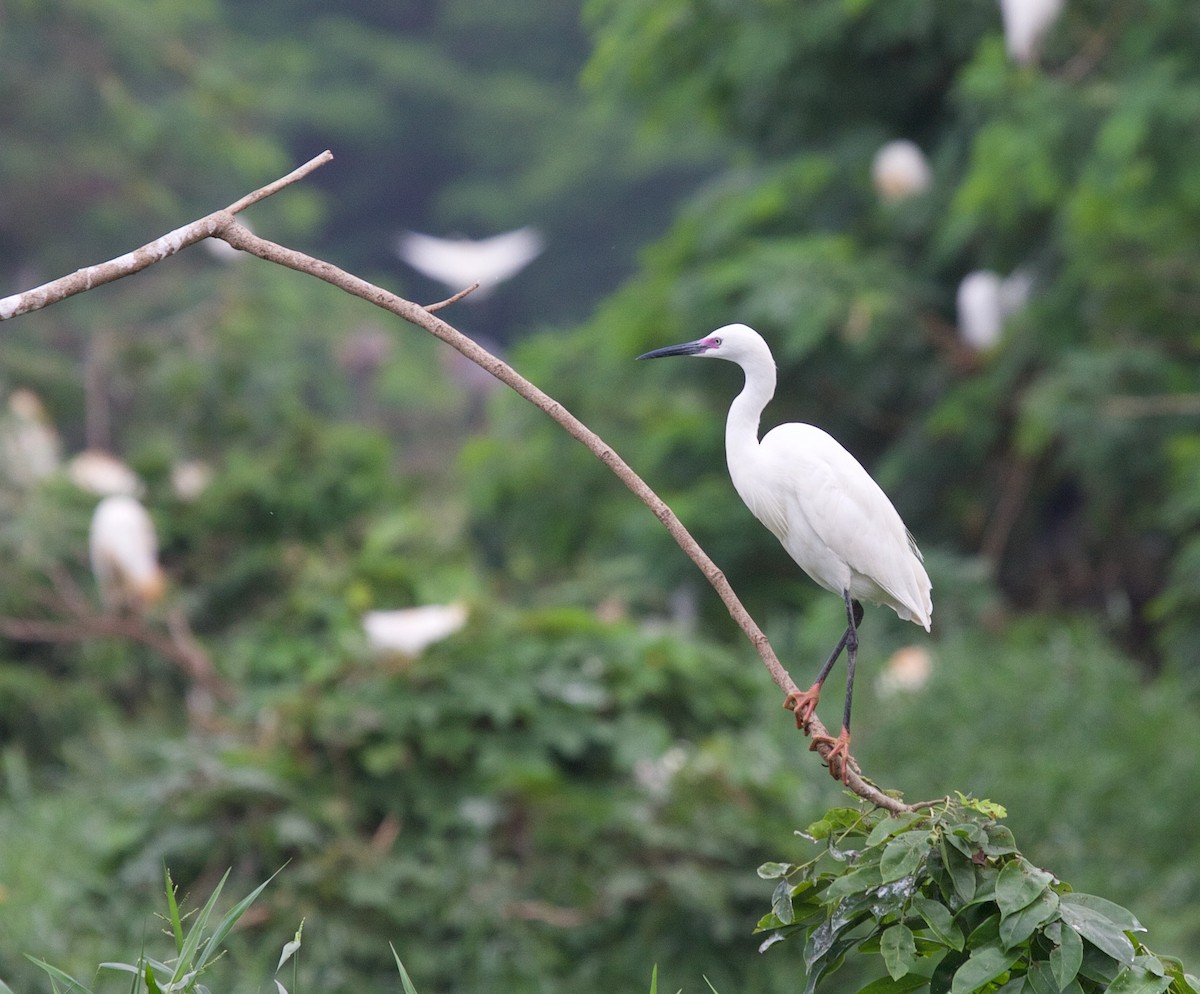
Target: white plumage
<point x="1026" y="23"/>
<point x="101" y="473"/>
<point x="900" y="170"/>
<point x="410" y="631"/>
<point x="825" y="509"/>
<point x="30" y="449"/>
<point x="985" y="301"/>
<point x="459" y="262"/>
<point x="124" y="554"/>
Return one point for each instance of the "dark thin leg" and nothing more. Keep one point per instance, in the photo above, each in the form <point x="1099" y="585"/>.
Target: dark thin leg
<point x="854" y="614"/>
<point x="804" y="704"/>
<point x="838" y="757"/>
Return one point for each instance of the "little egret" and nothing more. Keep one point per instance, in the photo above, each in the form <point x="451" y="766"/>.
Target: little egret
<point x="816" y="498"/>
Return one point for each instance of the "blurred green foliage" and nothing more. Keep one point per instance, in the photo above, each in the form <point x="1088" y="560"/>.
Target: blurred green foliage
<point x="579" y="784"/>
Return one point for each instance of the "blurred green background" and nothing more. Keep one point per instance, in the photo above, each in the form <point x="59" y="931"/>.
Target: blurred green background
<point x="580" y="782"/>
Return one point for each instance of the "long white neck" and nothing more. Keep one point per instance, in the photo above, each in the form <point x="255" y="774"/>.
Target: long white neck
<point x="741" y="427"/>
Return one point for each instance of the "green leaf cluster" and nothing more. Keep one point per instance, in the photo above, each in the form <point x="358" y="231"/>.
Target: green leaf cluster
<point x="948" y="903"/>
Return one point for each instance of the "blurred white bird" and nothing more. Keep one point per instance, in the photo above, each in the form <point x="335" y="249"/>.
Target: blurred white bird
<point x="1026" y="23"/>
<point x="459" y="262"/>
<point x="410" y="631"/>
<point x="908" y="670"/>
<point x="221" y="250"/>
<point x="190" y="478"/>
<point x="101" y="473"/>
<point x="985" y="301"/>
<point x="30" y="449"/>
<point x="124" y="554"/>
<point x="900" y="170"/>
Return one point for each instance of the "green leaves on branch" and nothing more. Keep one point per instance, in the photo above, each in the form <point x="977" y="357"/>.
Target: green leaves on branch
<point x="949" y="904"/>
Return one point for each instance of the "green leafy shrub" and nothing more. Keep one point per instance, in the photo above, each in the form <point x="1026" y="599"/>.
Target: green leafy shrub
<point x="947" y="902"/>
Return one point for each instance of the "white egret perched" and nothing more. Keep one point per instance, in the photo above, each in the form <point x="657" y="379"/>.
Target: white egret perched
<point x="985" y="301"/>
<point x="816" y="498"/>
<point x="30" y="448"/>
<point x="459" y="262"/>
<point x="899" y="171"/>
<point x="1026" y="24"/>
<point x="101" y="473"/>
<point x="124" y="553"/>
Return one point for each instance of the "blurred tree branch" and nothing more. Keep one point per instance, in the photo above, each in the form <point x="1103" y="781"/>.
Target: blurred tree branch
<point x="78" y="621"/>
<point x="223" y="224"/>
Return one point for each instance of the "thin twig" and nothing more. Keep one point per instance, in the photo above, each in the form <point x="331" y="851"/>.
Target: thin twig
<point x="451" y="300"/>
<point x="1153" y="406"/>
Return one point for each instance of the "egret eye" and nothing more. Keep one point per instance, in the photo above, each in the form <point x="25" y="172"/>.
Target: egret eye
<point x="714" y="343"/>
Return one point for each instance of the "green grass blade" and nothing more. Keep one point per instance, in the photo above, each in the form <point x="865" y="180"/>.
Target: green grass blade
<point x="73" y="986"/>
<point x="173" y="909"/>
<point x="187" y="953"/>
<point x="225" y="926"/>
<point x="408" y="984"/>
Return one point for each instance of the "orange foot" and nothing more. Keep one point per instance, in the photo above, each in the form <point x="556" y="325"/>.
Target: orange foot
<point x="803" y="705"/>
<point x="839" y="756"/>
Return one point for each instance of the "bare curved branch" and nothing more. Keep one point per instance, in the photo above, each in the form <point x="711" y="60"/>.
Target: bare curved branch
<point x="223" y="224"/>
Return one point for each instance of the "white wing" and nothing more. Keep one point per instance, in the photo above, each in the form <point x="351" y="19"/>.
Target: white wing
<point x="458" y="262"/>
<point x="837" y="523"/>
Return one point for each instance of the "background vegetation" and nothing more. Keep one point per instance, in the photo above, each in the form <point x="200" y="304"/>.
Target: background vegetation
<point x="581" y="783"/>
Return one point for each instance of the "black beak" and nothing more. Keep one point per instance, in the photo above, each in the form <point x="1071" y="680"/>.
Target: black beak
<point x="687" y="348"/>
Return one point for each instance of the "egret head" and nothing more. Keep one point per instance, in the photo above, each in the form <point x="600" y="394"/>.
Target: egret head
<point x="736" y="342"/>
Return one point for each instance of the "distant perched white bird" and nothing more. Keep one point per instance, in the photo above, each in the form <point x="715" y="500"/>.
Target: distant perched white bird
<point x="410" y="631"/>
<point x="101" y="473"/>
<point x="1026" y="24"/>
<point x="459" y="262"/>
<point x="900" y="170"/>
<point x="907" y="671"/>
<point x="985" y="301"/>
<point x="825" y="509"/>
<point x="190" y="478"/>
<point x="124" y="554"/>
<point x="30" y="449"/>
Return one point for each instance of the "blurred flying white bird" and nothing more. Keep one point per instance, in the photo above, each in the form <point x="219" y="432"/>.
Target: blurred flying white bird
<point x="985" y="301"/>
<point x="900" y="170"/>
<point x="817" y="499"/>
<point x="459" y="262"/>
<point x="124" y="554"/>
<point x="410" y="631"/>
<point x="30" y="449"/>
<point x="101" y="473"/>
<point x="1026" y="23"/>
